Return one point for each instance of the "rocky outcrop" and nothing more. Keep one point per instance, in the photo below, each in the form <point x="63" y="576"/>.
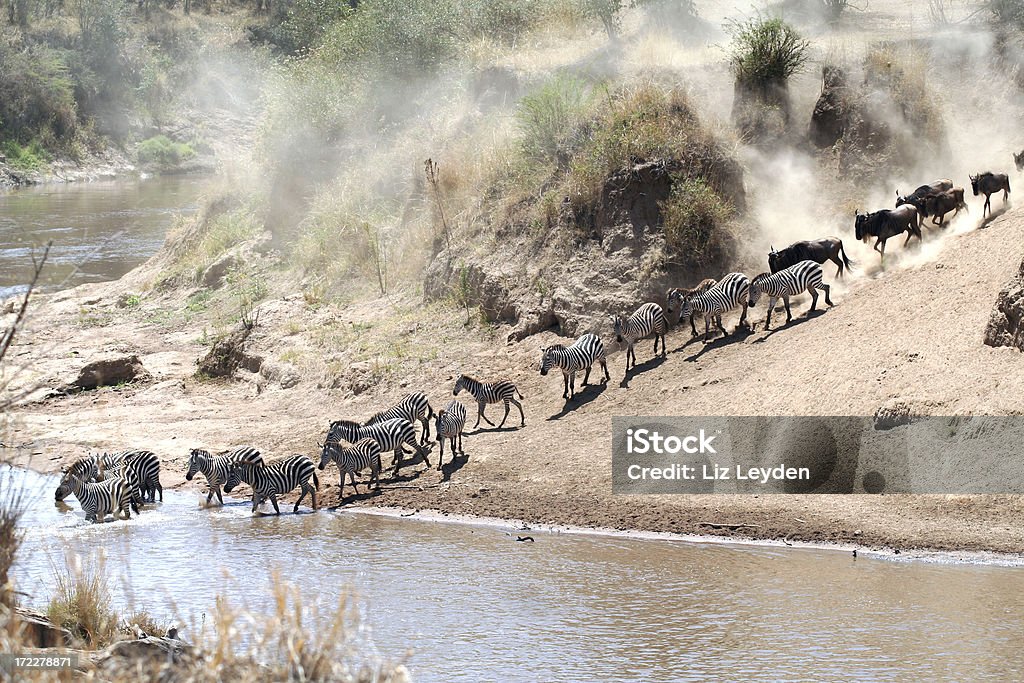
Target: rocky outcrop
<point x="228" y="355"/>
<point x="109" y="371"/>
<point x="832" y="110"/>
<point x="1006" y="325"/>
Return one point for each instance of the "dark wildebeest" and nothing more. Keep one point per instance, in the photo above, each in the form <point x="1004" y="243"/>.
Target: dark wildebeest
<point x="938" y="205"/>
<point x="674" y="297"/>
<point x="1018" y="159"/>
<point x="825" y="249"/>
<point x="986" y="183"/>
<point x="888" y="223"/>
<point x="917" y="197"/>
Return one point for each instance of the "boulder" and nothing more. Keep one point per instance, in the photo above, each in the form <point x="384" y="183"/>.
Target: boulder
<point x="109" y="371"/>
<point x="219" y="269"/>
<point x="228" y="355"/>
<point x="1006" y="324"/>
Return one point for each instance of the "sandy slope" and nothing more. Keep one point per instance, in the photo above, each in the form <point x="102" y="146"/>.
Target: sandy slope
<point x="912" y="333"/>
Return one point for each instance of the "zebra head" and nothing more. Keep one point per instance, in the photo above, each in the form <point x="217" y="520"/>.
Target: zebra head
<point x="617" y="324"/>
<point x="673" y="298"/>
<point x="197" y="459"/>
<point x="460" y="384"/>
<point x="330" y="449"/>
<point x="63" y="489"/>
<point x="547" y="359"/>
<point x="754" y="292"/>
<point x="237" y="473"/>
<point x="686" y="309"/>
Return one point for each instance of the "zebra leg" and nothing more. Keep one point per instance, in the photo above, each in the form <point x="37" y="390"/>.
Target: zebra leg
<point x="565" y="380"/>
<point x="160" y="489"/>
<point x="693" y="328"/>
<point x="425" y="436"/>
<point x="586" y="375"/>
<point x="220" y="496"/>
<point x="522" y="416"/>
<point x="771" y="307"/>
<point x="572" y="384"/>
<point x="302" y="488"/>
<point x="462" y="451"/>
<point x="827" y="289"/>
<point x="607" y="375"/>
<point x="707" y="327"/>
<point x="482" y="405"/>
<point x="273" y="499"/>
<point x="398" y="459"/>
<point x="423" y="453"/>
<point x="506" y="414"/>
<point x="440" y="455"/>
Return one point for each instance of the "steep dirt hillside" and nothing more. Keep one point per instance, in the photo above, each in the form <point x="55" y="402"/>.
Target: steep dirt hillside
<point x="911" y="334"/>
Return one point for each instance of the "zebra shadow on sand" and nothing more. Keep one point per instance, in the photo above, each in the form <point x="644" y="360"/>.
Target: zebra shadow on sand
<point x="641" y="368"/>
<point x="783" y="326"/>
<point x="580" y="399"/>
<point x="739" y="335"/>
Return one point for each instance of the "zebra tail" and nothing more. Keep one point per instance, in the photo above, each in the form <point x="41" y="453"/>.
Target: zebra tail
<point x="520" y="394"/>
<point x="430" y="411"/>
<point x="316" y="481"/>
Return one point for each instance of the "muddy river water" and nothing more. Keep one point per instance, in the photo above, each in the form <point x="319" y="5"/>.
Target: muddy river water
<point x="472" y="604"/>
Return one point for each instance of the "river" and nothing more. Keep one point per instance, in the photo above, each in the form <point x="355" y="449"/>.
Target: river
<point x="472" y="604"/>
<point x="100" y="230"/>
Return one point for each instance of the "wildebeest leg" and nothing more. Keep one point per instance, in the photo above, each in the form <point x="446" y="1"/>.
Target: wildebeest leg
<point x="834" y="258"/>
<point x="988" y="205"/>
<point x="827" y="289"/>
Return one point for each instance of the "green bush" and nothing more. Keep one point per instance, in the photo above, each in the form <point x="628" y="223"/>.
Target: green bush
<point x="30" y="157"/>
<point x="692" y="220"/>
<point x="36" y="93"/>
<point x="163" y="152"/>
<point x="551" y="119"/>
<point x="766" y="51"/>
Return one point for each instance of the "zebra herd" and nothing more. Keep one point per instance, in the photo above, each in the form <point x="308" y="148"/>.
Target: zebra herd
<point x="119" y="484"/>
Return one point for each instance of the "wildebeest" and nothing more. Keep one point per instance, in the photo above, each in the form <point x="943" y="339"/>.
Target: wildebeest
<point x="825" y="249"/>
<point x="888" y="223"/>
<point x="674" y="297"/>
<point x="1018" y="159"/>
<point x="917" y="197"/>
<point x="986" y="183"/>
<point x="938" y="205"/>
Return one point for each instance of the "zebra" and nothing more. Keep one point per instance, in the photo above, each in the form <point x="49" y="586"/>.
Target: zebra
<point x="215" y="467"/>
<point x="126" y="474"/>
<point x="391" y="434"/>
<point x="647" y="320"/>
<point x="502" y="391"/>
<point x="146" y="466"/>
<point x="413" y="407"/>
<point x="110" y="497"/>
<point x="730" y="292"/>
<point x="87" y="469"/>
<point x="579" y="356"/>
<point x="353" y="458"/>
<point x="274" y="479"/>
<point x="674" y="297"/>
<point x="788" y="282"/>
<point x="450" y="423"/>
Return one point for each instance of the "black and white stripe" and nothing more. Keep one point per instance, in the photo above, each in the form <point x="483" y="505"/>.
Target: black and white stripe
<point x="275" y="479"/>
<point x="127" y="475"/>
<point x="731" y="291"/>
<point x="215" y="467"/>
<point x="353" y="458"/>
<point x="390" y="434"/>
<point x="581" y="355"/>
<point x="791" y="281"/>
<point x="146" y="466"/>
<point x="413" y="407"/>
<point x="674" y="297"/>
<point x="110" y="497"/>
<point x="449" y="425"/>
<point x="502" y="391"/>
<point x="647" y="320"/>
<point x="87" y="469"/>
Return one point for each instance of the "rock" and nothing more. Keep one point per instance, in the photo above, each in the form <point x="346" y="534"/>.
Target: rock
<point x="219" y="269"/>
<point x="1006" y="324"/>
<point x="228" y="355"/>
<point x="108" y="372"/>
<point x="283" y="374"/>
<point x="831" y="111"/>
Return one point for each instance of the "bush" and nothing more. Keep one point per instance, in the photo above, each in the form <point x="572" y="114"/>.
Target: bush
<point x="550" y="119"/>
<point x="82" y="605"/>
<point x="36" y="93"/>
<point x="30" y="157"/>
<point x="163" y="152"/>
<point x="766" y="52"/>
<point x="692" y="219"/>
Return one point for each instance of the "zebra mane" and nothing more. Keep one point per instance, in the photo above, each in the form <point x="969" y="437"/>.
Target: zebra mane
<point x="350" y="424"/>
<point x="470" y="378"/>
<point x="759" y="277"/>
<point x="554" y="347"/>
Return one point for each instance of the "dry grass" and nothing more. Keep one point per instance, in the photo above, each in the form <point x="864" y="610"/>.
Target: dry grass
<point x="82" y="605"/>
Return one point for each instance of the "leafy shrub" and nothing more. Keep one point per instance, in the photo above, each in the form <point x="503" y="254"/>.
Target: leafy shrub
<point x="550" y="119"/>
<point x="692" y="219"/>
<point x="30" y="157"/>
<point x="766" y="51"/>
<point x="163" y="152"/>
<point x="36" y="93"/>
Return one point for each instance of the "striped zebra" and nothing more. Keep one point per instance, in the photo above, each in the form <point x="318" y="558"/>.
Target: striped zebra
<point x="674" y="297"/>
<point x="413" y="407"/>
<point x="581" y="355"/>
<point x="127" y="475"/>
<point x="788" y="282"/>
<point x="391" y="434"/>
<point x="450" y="423"/>
<point x="215" y="467"/>
<point x="731" y="291"/>
<point x="146" y="466"/>
<point x="353" y="458"/>
<point x="502" y="391"/>
<point x="87" y="469"/>
<point x="647" y="320"/>
<point x="110" y="497"/>
<point x="275" y="479"/>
